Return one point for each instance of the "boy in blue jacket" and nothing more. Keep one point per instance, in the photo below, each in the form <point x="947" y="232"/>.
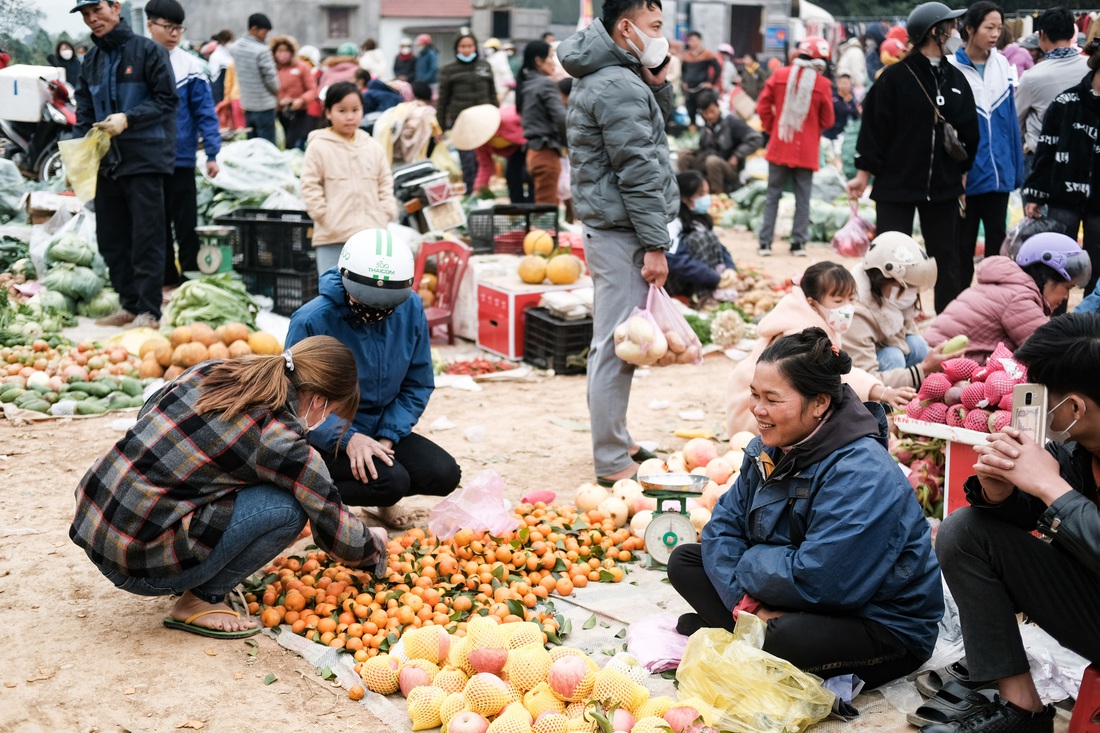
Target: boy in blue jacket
<point x="194" y="115"/>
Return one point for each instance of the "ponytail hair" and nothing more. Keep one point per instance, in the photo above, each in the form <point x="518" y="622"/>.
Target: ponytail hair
<point x="810" y="363"/>
<point x="532" y="51"/>
<point x="318" y="364"/>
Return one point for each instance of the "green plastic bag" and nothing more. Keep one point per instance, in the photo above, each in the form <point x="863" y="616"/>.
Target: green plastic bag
<point x="81" y="158"/>
<point x="745" y="688"/>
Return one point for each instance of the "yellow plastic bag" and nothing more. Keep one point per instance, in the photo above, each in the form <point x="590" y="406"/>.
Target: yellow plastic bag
<point x="746" y="689"/>
<point x="81" y="158"/>
<point x="442" y="159"/>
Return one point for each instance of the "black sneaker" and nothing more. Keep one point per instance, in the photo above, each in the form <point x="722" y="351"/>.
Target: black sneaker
<point x="998" y="717"/>
<point x="798" y="249"/>
<point x="765" y="250"/>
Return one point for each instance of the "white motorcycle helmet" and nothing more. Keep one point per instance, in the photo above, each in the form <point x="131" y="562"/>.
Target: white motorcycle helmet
<point x="898" y="256"/>
<point x="377" y="269"/>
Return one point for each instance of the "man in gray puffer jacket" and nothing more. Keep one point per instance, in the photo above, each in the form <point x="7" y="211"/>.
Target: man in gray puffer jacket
<point x="625" y="194"/>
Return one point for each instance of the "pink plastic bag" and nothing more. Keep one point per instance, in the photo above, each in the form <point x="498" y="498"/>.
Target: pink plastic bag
<point x="657" y="335"/>
<point x="854" y="238"/>
<point x="479" y="505"/>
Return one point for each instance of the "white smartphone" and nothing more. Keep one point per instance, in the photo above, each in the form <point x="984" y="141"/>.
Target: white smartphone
<point x="1029" y="411"/>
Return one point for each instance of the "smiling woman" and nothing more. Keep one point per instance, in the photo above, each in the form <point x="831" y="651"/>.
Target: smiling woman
<point x="821" y="535"/>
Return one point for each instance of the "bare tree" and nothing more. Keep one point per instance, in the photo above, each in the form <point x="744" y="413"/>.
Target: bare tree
<point x="17" y="17"/>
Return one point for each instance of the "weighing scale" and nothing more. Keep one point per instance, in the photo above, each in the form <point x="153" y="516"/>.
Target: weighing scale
<point x="668" y="529"/>
<point x="216" y="250"/>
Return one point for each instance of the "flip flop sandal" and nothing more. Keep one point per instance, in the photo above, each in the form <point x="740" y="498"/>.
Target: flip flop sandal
<point x="929" y="683"/>
<point x="952" y="702"/>
<point x="608" y="483"/>
<point x="642" y="455"/>
<point x="189" y="627"/>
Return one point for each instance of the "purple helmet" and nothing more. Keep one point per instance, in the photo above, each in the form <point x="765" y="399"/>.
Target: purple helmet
<point x="1058" y="252"/>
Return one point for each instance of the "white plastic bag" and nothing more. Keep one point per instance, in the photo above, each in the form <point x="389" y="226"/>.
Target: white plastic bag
<point x="479" y="505"/>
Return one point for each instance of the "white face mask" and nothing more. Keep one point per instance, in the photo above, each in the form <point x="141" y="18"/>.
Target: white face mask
<point x="839" y="319"/>
<point x="904" y="299"/>
<point x="1058" y="436"/>
<point x="654" y="50"/>
<point x="66" y="54"/>
<point x="314" y="426"/>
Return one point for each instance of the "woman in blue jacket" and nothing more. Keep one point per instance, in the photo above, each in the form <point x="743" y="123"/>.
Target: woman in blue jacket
<point x="699" y="266"/>
<point x="999" y="166"/>
<point x="821" y="535"/>
<point x="365" y="303"/>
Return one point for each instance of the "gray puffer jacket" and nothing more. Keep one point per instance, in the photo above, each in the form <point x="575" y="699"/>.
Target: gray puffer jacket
<point x="619" y="154"/>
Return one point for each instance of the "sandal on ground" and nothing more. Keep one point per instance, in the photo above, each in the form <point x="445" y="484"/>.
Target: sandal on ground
<point x="929" y="683"/>
<point x="953" y="702"/>
<point x="190" y="627"/>
<point x="608" y="483"/>
<point x="642" y="455"/>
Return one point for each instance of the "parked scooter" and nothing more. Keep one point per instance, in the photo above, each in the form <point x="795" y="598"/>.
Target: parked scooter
<point x="33" y="145"/>
<point x="427" y="199"/>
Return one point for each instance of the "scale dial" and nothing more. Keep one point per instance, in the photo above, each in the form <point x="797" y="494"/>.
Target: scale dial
<point x="665" y="532"/>
<point x="210" y="259"/>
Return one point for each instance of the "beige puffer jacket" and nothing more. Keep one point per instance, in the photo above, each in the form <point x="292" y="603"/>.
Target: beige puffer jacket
<point x="875" y="327"/>
<point x="347" y="186"/>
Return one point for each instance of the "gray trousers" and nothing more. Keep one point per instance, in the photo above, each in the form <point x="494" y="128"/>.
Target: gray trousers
<point x="803" y="187"/>
<point x="995" y="570"/>
<point x="615" y="263"/>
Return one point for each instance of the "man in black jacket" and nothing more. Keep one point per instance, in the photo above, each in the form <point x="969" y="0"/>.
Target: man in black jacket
<point x="127" y="88"/>
<point x="724" y="143"/>
<point x="901" y="143"/>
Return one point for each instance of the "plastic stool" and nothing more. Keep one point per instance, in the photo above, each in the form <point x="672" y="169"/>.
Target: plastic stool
<point x="1086" y="712"/>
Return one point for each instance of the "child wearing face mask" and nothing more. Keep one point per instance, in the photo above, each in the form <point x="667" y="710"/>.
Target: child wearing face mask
<point x="699" y="265"/>
<point x="825" y="297"/>
<point x="884" y="339"/>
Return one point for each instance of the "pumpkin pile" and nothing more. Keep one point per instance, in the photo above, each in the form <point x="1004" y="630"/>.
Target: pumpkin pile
<point x="429" y="284"/>
<point x="186" y="346"/>
<point x="447" y="583"/>
<point x="545" y="261"/>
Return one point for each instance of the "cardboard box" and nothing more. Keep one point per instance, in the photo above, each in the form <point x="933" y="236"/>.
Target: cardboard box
<point x="502" y="304"/>
<point x="42" y="205"/>
<point x="478" y="268"/>
<point x="23" y="91"/>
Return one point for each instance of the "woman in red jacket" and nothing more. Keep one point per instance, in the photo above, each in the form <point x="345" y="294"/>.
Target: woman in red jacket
<point x="795" y="106"/>
<point x="297" y="89"/>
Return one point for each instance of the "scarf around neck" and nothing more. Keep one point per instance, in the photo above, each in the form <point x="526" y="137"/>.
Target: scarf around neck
<point x="796" y="102"/>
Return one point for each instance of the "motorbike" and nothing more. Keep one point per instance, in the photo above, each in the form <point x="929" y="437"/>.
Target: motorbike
<point x="426" y="198"/>
<point x="33" y="145"/>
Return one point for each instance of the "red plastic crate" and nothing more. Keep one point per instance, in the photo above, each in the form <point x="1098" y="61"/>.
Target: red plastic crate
<point x="500" y="319"/>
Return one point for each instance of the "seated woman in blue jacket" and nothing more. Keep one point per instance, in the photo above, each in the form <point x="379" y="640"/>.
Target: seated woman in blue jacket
<point x="365" y="303"/>
<point x="699" y="266"/>
<point x="821" y="535"/>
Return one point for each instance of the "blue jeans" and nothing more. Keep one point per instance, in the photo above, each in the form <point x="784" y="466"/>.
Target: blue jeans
<point x="265" y="521"/>
<point x="328" y="255"/>
<point x="262" y="123"/>
<point x="891" y="357"/>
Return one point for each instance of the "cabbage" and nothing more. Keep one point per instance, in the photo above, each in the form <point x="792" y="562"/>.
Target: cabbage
<point x="46" y="298"/>
<point x="215" y="300"/>
<point x="101" y="305"/>
<point x="75" y="281"/>
<point x="70" y="247"/>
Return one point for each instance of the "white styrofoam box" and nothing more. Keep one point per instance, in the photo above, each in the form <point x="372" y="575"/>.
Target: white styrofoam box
<point x="22" y="91"/>
<point x="478" y="267"/>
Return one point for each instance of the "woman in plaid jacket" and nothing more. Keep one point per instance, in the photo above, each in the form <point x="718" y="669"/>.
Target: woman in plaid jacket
<point x="217" y="478"/>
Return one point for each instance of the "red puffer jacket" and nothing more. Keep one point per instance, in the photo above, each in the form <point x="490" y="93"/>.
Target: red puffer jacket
<point x="803" y="151"/>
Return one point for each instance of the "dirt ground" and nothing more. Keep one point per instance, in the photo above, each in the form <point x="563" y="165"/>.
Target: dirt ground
<point x="82" y="656"/>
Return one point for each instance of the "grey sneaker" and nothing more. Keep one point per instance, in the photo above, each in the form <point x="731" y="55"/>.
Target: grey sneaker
<point x="765" y="250"/>
<point x="145" y="320"/>
<point x="121" y="317"/>
<point x="798" y="249"/>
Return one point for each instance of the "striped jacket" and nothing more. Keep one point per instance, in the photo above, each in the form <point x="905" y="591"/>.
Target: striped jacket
<point x="195" y="114"/>
<point x="159" y="501"/>
<point x="257" y="76"/>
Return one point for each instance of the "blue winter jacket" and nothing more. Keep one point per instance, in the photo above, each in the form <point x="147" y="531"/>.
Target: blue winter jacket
<point x="124" y="72"/>
<point x="394" y="358"/>
<point x="999" y="165"/>
<point x="835" y="529"/>
<point x="195" y="113"/>
<point x="427" y="65"/>
<point x="380" y="97"/>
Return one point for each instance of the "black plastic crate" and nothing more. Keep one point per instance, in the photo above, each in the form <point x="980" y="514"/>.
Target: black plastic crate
<point x="550" y="342"/>
<point x="288" y="288"/>
<point x="274" y="238"/>
<point x="501" y="229"/>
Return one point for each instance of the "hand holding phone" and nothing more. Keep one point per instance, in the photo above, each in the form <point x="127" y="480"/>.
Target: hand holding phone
<point x="657" y="69"/>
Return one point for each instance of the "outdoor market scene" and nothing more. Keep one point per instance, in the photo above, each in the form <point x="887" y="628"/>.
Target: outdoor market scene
<point x="621" y="366"/>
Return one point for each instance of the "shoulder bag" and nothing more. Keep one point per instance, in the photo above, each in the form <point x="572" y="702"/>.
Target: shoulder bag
<point x="951" y="143"/>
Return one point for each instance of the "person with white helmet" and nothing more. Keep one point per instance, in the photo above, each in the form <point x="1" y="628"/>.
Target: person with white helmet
<point x="883" y="339"/>
<point x="1013" y="298"/>
<point x="366" y="302"/>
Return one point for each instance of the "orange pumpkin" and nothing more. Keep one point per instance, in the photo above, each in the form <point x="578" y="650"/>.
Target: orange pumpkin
<point x="264" y="343"/>
<point x="217" y="350"/>
<point x="188" y="355"/>
<point x="203" y="334"/>
<point x="180" y="335"/>
<point x="238" y="349"/>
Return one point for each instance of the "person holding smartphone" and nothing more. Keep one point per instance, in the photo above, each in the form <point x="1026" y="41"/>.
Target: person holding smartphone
<point x="992" y="563"/>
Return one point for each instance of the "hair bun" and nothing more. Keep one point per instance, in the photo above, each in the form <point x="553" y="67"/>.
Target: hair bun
<point x="843" y="362"/>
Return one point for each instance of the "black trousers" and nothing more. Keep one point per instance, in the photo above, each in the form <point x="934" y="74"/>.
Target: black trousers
<point x="939" y="223"/>
<point x="419" y="467"/>
<point x="130" y="226"/>
<point x="520" y="187"/>
<point x="989" y="210"/>
<point x="995" y="570"/>
<point x="1090" y="241"/>
<point x="181" y="216"/>
<point x="821" y="644"/>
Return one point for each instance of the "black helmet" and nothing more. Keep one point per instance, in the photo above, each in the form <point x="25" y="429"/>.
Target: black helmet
<point x="927" y="15"/>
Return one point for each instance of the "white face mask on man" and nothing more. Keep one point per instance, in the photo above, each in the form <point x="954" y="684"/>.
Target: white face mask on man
<point x="1058" y="436"/>
<point x="653" y="51"/>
